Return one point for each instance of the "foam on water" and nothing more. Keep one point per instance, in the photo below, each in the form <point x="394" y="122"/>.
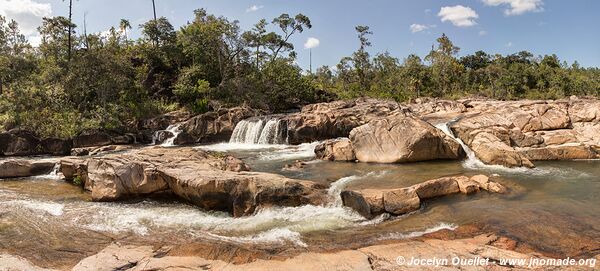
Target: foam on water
<point x="225" y="147"/>
<point x="281" y="224"/>
<point x="302" y="151"/>
<point x="269" y="225"/>
<point x="336" y="187"/>
<point x="268" y="152"/>
<point x="400" y="235"/>
<point x="52" y="208"/>
<point x="275" y="236"/>
<point x="175" y="130"/>
<point x="53" y="175"/>
<point x="472" y="162"/>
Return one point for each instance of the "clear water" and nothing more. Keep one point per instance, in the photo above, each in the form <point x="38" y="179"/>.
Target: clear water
<point x="554" y="208"/>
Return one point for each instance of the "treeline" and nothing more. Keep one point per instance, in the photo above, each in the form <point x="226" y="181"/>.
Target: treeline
<point x="76" y="80"/>
<point x="442" y="74"/>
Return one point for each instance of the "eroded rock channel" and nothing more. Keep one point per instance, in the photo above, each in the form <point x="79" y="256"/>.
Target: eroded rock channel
<point x="354" y="184"/>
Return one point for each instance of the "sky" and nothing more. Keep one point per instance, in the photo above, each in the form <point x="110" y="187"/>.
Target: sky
<point x="569" y="29"/>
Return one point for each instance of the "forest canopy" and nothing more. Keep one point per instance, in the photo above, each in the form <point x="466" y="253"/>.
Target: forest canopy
<point x="76" y="80"/>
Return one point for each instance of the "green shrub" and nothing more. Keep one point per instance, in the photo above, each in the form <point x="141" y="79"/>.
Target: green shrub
<point x="200" y="106"/>
<point x="77" y="180"/>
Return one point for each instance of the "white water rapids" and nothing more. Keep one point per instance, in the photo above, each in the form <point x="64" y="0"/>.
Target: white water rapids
<point x="277" y="225"/>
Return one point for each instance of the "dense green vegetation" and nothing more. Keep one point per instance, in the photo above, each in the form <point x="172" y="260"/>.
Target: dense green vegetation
<point x="75" y="81"/>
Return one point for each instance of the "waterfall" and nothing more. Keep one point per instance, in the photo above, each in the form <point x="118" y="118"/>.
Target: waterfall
<point x="53" y="175"/>
<point x="259" y="131"/>
<point x="173" y="129"/>
<point x="472" y="161"/>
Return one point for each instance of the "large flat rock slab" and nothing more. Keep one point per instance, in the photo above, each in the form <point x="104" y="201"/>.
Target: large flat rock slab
<point x="395" y="256"/>
<point x="372" y="202"/>
<point x="19" y="168"/>
<point x="212" y="183"/>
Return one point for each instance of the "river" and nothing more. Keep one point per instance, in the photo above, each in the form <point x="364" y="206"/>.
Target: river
<point x="553" y="208"/>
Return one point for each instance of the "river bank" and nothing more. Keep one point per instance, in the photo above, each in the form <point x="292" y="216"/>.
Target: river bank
<point x="257" y="197"/>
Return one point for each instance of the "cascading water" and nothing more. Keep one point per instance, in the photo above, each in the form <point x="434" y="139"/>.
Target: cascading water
<point x="53" y="175"/>
<point x="172" y="132"/>
<point x="259" y="131"/>
<point x="472" y="160"/>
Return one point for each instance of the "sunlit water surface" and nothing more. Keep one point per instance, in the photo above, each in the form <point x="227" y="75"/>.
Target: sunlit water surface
<point x="554" y="207"/>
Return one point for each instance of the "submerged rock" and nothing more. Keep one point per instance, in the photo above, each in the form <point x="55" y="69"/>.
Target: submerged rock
<point x="212" y="183"/>
<point x="402" y="139"/>
<point x="296" y="166"/>
<point x="370" y="202"/>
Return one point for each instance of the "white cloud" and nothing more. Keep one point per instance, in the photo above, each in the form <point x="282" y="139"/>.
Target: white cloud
<point x="417" y="27"/>
<point x="517" y="7"/>
<point x="254" y="8"/>
<point x="35" y="40"/>
<point x="509" y="44"/>
<point x="104" y="34"/>
<point x="312" y="43"/>
<point x="482" y="33"/>
<point x="459" y="15"/>
<point x="27" y="13"/>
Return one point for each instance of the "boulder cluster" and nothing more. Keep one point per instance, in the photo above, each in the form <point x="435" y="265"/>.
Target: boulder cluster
<point x="506" y="133"/>
<point x="517" y="133"/>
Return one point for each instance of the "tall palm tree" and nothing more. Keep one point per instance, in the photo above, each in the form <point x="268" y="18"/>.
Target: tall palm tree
<point x="124" y="25"/>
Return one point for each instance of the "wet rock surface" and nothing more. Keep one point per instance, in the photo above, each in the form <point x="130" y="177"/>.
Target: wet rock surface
<point x="220" y="184"/>
<point x="371" y="202"/>
<point x="377" y="257"/>
<point x="25" y="168"/>
<point x="514" y="134"/>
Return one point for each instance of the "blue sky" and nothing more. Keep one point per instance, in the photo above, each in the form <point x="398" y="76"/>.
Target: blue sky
<point x="568" y="28"/>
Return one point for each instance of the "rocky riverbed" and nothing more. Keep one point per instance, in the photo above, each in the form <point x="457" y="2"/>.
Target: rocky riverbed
<point x="347" y="185"/>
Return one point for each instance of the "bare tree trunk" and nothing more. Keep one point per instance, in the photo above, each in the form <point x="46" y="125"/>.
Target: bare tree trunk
<point x="257" y="58"/>
<point x="70" y="28"/>
<point x="155" y="23"/>
<point x="87" y="41"/>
